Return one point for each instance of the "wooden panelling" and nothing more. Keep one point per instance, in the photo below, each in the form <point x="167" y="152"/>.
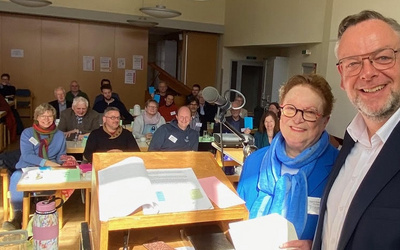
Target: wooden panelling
<point x="202" y="55"/>
<point x="53" y="55"/>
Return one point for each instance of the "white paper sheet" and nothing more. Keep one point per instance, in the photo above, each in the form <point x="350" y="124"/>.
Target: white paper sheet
<point x="266" y="232"/>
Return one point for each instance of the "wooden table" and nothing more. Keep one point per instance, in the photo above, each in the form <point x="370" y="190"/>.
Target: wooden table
<point x="77" y="148"/>
<point x="162" y="226"/>
<point x="28" y="187"/>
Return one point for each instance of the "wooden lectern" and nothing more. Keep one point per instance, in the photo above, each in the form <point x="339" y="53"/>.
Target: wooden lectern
<point x="165" y="227"/>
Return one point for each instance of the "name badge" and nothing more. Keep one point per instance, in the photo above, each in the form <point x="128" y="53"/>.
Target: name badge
<point x="33" y="141"/>
<point x="173" y="113"/>
<point x="172" y="138"/>
<point x="313" y="205"/>
<point x="199" y="124"/>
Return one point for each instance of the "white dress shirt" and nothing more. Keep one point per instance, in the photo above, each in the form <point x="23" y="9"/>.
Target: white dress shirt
<point x="356" y="166"/>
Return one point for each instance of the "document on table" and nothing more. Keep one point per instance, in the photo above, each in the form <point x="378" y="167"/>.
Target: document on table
<point x="127" y="185"/>
<point x="123" y="188"/>
<point x="219" y="193"/>
<point x="265" y="232"/>
<point x="177" y="190"/>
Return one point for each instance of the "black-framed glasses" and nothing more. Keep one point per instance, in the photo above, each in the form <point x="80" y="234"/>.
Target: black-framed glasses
<point x="308" y="115"/>
<point x="114" y="117"/>
<point x="381" y="59"/>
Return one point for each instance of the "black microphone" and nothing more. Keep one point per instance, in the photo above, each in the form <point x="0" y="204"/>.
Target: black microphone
<point x="211" y="95"/>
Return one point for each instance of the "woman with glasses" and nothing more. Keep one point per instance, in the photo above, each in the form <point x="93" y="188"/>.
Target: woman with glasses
<point x="288" y="177"/>
<point x="149" y="121"/>
<point x="268" y="128"/>
<point x="41" y="145"/>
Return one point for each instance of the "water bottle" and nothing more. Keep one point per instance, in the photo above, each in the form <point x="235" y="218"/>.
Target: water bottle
<point x="45" y="225"/>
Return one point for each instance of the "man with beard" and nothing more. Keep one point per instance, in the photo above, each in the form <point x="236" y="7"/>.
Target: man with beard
<point x="361" y="206"/>
<point x="78" y="121"/>
<point x="109" y="101"/>
<point x="110" y="137"/>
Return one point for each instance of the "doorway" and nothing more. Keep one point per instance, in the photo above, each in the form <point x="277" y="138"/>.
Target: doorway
<point x="247" y="77"/>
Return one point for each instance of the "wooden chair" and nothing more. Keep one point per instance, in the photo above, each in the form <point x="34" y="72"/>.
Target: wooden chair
<point x="7" y="209"/>
<point x="24" y="101"/>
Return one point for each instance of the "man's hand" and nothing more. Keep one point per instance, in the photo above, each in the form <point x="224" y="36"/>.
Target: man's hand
<point x="297" y="244"/>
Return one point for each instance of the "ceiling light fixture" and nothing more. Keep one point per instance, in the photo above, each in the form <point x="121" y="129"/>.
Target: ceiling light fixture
<point x="32" y="3"/>
<point x="160" y="11"/>
<point x="142" y="22"/>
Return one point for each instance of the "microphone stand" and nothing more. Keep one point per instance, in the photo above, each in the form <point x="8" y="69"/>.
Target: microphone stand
<point x="246" y="141"/>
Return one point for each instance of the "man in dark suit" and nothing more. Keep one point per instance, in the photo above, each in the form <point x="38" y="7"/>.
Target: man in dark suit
<point x="60" y="104"/>
<point x="361" y="205"/>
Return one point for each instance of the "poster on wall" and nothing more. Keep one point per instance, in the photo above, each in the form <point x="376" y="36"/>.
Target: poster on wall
<point x="105" y="64"/>
<point x="88" y="63"/>
<point x="121" y="63"/>
<point x="137" y="62"/>
<point x="130" y="76"/>
<point x="17" y="53"/>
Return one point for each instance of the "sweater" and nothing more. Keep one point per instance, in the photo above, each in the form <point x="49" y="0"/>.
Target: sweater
<point x="99" y="141"/>
<point x="169" y="137"/>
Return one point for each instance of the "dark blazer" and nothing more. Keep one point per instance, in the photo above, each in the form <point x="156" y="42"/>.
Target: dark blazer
<point x="55" y="105"/>
<point x="373" y="219"/>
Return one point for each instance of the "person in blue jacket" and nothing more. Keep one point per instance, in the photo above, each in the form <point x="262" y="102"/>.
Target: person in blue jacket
<point x="41" y="145"/>
<point x="288" y="177"/>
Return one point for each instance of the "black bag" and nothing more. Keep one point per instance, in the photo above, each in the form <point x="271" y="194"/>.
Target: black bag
<point x="9" y="159"/>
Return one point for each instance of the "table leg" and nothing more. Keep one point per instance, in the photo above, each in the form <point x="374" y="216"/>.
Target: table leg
<point x="60" y="211"/>
<point x="26" y="210"/>
<point x="87" y="205"/>
<point x="5" y="178"/>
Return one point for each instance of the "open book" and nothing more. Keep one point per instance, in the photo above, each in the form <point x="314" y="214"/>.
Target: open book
<point x="127" y="185"/>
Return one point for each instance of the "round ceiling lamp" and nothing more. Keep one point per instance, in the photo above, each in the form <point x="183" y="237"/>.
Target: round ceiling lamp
<point x="32" y="3"/>
<point x="160" y="11"/>
<point x="142" y="22"/>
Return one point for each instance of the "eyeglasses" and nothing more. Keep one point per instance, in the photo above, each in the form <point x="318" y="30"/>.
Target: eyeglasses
<point x="114" y="117"/>
<point x="381" y="59"/>
<point x="152" y="107"/>
<point x="290" y="111"/>
<point x="45" y="117"/>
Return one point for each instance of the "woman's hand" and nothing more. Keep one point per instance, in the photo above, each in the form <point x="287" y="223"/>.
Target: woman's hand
<point x="247" y="131"/>
<point x="149" y="135"/>
<point x="297" y="244"/>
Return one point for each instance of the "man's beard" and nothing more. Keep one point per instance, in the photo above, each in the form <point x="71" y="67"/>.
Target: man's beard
<point x="389" y="108"/>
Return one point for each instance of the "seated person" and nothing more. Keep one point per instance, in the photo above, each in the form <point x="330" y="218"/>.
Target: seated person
<point x="60" y="104"/>
<point x="274" y="107"/>
<point x="100" y="97"/>
<point x="41" y="145"/>
<point x="206" y="112"/>
<point x="9" y="119"/>
<point x="235" y="120"/>
<point x="282" y="177"/>
<point x="239" y="100"/>
<point x="78" y="121"/>
<point x="75" y="92"/>
<point x="148" y="121"/>
<point x="162" y="90"/>
<point x="109" y="101"/>
<point x="195" y="92"/>
<point x="195" y="122"/>
<point x="268" y="128"/>
<point x="176" y="135"/>
<point x="169" y="110"/>
<point x="6" y="89"/>
<point x="110" y="137"/>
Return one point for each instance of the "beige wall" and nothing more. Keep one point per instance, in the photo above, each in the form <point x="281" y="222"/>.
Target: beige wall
<point x="54" y="50"/>
<point x="262" y="22"/>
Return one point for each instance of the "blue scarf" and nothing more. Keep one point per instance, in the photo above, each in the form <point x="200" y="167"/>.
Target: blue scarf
<point x="287" y="194"/>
